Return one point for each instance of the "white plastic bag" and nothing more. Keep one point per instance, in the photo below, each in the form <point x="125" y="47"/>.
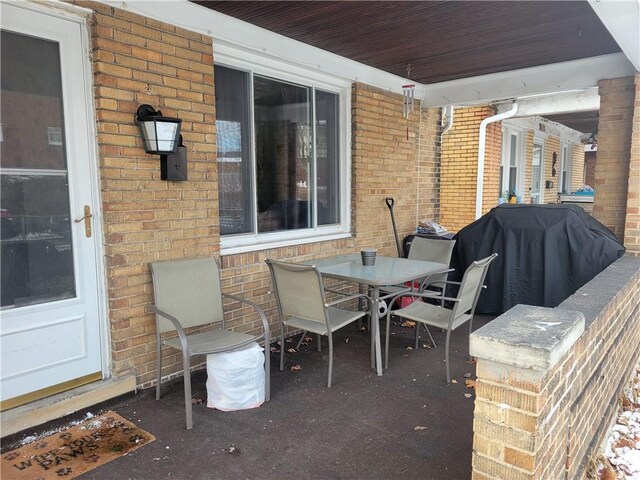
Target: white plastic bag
<point x="235" y="380"/>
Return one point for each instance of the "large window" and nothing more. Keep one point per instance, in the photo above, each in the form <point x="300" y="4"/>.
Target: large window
<point x="279" y="160"/>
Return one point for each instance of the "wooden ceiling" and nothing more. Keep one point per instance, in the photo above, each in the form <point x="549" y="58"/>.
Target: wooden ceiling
<point x="435" y="41"/>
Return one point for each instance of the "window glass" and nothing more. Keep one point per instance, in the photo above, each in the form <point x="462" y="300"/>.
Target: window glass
<point x="36" y="251"/>
<point x="279" y="162"/>
<point x="564" y="184"/>
<point x="234" y="151"/>
<point x="327" y="158"/>
<point x="513" y="150"/>
<point x="509" y="164"/>
<point x="284" y="155"/>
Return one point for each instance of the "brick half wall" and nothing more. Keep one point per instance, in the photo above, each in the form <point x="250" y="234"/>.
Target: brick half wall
<point x="549" y="378"/>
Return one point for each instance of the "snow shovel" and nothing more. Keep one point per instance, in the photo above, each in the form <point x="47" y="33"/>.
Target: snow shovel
<point x="390" y="202"/>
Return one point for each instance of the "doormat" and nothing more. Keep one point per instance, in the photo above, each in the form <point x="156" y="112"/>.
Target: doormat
<point x="74" y="451"/>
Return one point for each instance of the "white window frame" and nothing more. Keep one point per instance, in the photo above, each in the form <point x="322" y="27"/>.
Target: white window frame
<point x="565" y="167"/>
<point x="507" y="132"/>
<point x="538" y="141"/>
<point x="227" y="56"/>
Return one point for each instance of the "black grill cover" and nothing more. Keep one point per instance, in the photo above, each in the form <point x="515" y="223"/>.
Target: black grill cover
<point x="545" y="253"/>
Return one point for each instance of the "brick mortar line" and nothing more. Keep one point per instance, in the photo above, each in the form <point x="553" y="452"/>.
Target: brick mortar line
<point x="500" y="462"/>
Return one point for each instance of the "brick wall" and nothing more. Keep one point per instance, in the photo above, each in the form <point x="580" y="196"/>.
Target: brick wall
<point x="429" y="147"/>
<point x="492" y="158"/>
<point x="614" y="146"/>
<point x="632" y="219"/>
<point x="459" y="168"/>
<point x="577" y="167"/>
<point x="543" y="407"/>
<point x="384" y="164"/>
<point x="138" y="60"/>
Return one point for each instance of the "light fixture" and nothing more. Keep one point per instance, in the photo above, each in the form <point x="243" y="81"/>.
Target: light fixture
<point x="593" y="141"/>
<point x="160" y="135"/>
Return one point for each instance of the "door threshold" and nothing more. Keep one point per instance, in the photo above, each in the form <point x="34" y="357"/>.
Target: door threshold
<point x="56" y="406"/>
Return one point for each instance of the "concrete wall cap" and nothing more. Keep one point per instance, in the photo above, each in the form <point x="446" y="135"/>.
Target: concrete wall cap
<point x="528" y="337"/>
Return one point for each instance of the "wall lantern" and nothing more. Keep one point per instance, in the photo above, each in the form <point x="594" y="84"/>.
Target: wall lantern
<point x="161" y="136"/>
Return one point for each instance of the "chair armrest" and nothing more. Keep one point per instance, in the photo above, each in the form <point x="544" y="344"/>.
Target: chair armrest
<point x="346" y="299"/>
<point x="435" y="295"/>
<point x="263" y="317"/>
<point x="176" y="323"/>
<point x="447" y="271"/>
<point x="405" y="291"/>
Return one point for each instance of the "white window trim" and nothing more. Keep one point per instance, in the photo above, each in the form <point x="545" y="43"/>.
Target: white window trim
<point x="228" y="56"/>
<point x="564" y="150"/>
<point x="508" y="131"/>
<point x="539" y="140"/>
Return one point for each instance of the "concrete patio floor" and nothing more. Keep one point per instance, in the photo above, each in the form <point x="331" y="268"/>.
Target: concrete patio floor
<point x="362" y="427"/>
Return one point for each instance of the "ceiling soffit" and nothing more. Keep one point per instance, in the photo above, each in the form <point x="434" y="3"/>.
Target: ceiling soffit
<point x="436" y="41"/>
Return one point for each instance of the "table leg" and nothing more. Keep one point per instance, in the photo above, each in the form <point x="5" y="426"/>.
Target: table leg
<point x="375" y="328"/>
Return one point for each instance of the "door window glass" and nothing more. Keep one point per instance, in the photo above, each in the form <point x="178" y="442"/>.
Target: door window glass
<point x="35" y="231"/>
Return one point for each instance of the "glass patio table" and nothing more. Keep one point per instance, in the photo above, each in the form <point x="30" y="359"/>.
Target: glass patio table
<point x="386" y="271"/>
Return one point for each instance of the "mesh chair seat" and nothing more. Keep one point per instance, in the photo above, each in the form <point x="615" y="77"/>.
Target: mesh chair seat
<point x="337" y="317"/>
<point x="213" y="341"/>
<point x="433" y="315"/>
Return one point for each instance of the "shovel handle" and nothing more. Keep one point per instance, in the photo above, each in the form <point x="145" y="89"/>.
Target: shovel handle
<point x="389" y="201"/>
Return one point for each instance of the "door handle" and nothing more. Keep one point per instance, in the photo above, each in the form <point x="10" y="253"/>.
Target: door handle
<point x="87" y="220"/>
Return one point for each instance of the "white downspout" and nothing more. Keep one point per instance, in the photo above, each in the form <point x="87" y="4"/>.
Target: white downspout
<point x="481" y="151"/>
<point x="448" y="114"/>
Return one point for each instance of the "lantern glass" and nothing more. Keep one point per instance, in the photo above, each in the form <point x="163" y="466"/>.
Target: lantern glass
<point x="160" y="135"/>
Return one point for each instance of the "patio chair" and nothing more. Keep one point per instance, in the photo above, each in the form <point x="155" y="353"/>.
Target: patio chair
<point x="301" y="304"/>
<point x="464" y="305"/>
<point x="429" y="250"/>
<point x="187" y="294"/>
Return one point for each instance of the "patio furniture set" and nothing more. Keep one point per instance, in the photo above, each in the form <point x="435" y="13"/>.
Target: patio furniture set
<point x="188" y="294"/>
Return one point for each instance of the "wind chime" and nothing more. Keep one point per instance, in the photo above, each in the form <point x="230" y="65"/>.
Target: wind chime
<point x="407" y="98"/>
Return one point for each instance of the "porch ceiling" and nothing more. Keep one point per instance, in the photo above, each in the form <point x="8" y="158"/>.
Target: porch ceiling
<point x="435" y="41"/>
<point x="585" y="122"/>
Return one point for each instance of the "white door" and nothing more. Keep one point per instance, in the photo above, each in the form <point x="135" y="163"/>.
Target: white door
<point x="49" y="317"/>
<point x="536" y="173"/>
